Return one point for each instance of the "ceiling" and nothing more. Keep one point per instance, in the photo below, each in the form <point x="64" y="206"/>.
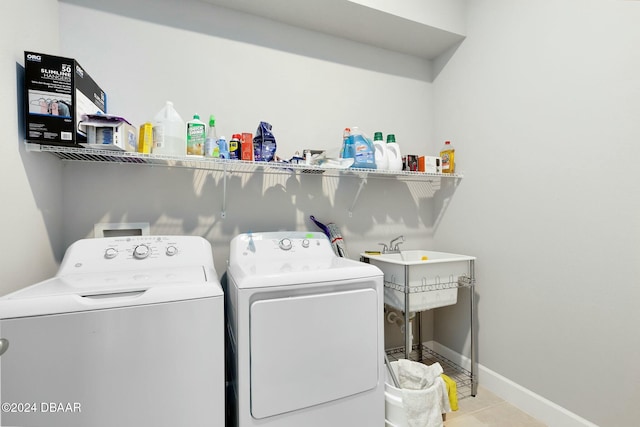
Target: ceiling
<point x="352" y="21"/>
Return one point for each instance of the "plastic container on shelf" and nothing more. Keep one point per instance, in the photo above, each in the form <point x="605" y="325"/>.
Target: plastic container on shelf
<point x="234" y="146"/>
<point x="223" y="145"/>
<point x="169" y="132"/>
<point x="382" y="155"/>
<point x="348" y="147"/>
<point x="145" y="138"/>
<point x="364" y="152"/>
<point x="448" y="155"/>
<point x="196" y="134"/>
<point x="211" y="141"/>
<point x="393" y="151"/>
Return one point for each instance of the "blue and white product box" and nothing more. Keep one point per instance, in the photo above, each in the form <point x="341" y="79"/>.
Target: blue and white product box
<point x="57" y="93"/>
<point x="109" y="132"/>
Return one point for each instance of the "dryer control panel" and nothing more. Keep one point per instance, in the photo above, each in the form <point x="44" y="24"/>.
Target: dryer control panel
<point x="281" y="244"/>
<point x="136" y="252"/>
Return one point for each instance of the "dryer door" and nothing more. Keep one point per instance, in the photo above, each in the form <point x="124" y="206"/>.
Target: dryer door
<point x="309" y="350"/>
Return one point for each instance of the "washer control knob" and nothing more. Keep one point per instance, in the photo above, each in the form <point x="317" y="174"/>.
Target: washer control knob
<point x="305" y="243"/>
<point x="285" y="244"/>
<point x="171" y="250"/>
<point x="141" y="252"/>
<point x="110" y="253"/>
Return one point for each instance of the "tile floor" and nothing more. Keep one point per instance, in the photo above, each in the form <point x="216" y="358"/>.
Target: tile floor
<point x="489" y="410"/>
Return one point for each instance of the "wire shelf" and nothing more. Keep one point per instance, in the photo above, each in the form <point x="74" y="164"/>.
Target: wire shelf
<point x="438" y="285"/>
<point x="462" y="377"/>
<point x="69" y="153"/>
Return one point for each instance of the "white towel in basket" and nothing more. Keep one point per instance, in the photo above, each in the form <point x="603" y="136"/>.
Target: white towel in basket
<point x="424" y="395"/>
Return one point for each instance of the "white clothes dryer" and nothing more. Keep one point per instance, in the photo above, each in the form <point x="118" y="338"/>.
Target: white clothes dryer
<point x="130" y="332"/>
<point x="305" y="331"/>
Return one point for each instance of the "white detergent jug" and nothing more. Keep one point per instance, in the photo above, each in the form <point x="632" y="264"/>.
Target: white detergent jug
<point x="393" y="150"/>
<point x="169" y="132"/>
<point x="382" y="157"/>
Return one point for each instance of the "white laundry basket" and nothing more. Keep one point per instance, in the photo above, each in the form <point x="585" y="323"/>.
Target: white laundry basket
<point x="394" y="415"/>
<point x="394" y="412"/>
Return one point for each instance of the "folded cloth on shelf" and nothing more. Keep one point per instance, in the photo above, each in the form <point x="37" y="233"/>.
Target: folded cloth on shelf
<point x="424" y="393"/>
<point x="452" y="391"/>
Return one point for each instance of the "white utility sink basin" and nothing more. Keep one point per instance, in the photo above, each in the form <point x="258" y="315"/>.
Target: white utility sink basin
<point x="418" y="256"/>
<point x="432" y="277"/>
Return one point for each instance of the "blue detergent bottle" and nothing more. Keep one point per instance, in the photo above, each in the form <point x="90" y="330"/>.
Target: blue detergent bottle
<point x="365" y="153"/>
<point x="224" y="148"/>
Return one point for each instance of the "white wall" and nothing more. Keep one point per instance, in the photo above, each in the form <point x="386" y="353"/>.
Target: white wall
<point x="30" y="184"/>
<point x="541" y="101"/>
<point x="309" y="86"/>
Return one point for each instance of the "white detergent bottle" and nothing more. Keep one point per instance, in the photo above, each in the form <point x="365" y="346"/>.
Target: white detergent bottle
<point x="169" y="132"/>
<point x="382" y="155"/>
<point x="393" y="150"/>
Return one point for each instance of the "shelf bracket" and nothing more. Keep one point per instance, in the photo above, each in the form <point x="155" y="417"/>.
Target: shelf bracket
<point x="223" y="214"/>
<point x="363" y="181"/>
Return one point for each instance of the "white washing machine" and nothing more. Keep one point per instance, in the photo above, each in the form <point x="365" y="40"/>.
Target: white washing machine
<point x="305" y="332"/>
<point x="130" y="332"/>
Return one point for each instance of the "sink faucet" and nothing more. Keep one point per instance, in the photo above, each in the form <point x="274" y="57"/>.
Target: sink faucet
<point x="393" y="248"/>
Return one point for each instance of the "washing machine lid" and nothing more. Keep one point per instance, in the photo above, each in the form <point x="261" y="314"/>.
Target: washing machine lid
<point x="266" y="273"/>
<point x="121" y="272"/>
<point x="93" y="291"/>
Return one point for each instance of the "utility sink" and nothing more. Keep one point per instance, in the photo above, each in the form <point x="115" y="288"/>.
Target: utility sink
<point x="432" y="277"/>
<point x="418" y="256"/>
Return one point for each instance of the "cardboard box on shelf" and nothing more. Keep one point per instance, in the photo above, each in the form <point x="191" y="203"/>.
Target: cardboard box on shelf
<point x="57" y="93"/>
<point x="108" y="132"/>
<point x="429" y="164"/>
<point x="411" y="163"/>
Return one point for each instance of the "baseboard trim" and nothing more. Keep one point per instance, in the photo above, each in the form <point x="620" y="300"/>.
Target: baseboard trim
<point x="517" y="395"/>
